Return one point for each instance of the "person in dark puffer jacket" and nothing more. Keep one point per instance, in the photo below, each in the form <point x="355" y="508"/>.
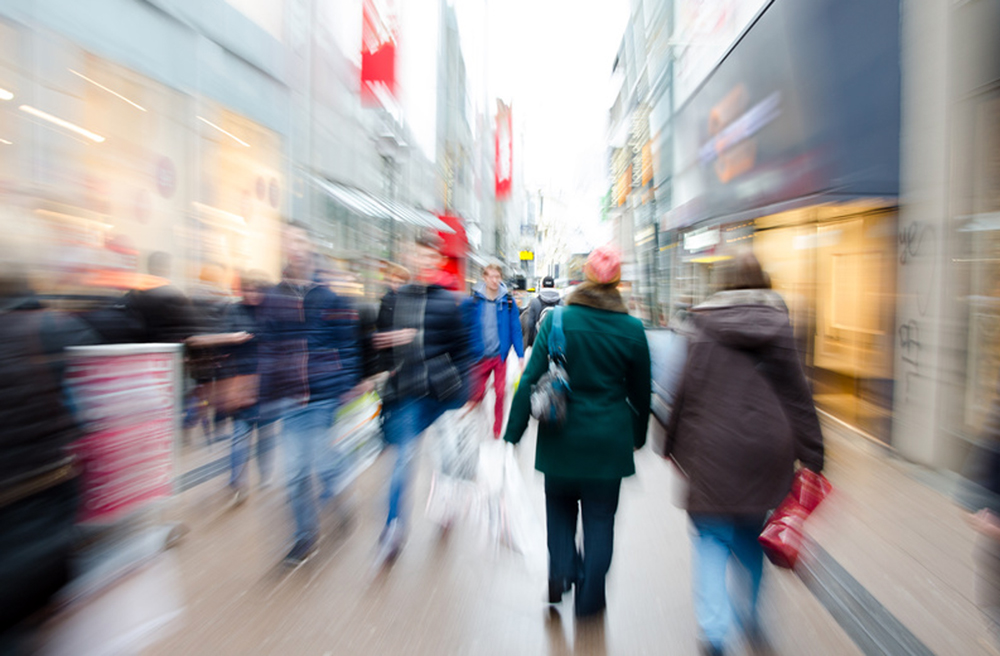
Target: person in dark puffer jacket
<point x="743" y="415"/>
<point x="431" y="356"/>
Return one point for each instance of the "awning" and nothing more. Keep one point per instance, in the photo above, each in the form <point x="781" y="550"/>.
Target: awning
<point x="365" y="204"/>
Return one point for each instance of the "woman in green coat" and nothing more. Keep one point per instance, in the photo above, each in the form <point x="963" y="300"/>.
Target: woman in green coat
<point x="584" y="460"/>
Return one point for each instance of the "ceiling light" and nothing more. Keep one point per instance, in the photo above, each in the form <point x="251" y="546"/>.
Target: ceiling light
<point x="62" y="123"/>
<point x="101" y="86"/>
<point x="6" y="95"/>
<point x="228" y="134"/>
<point x="6" y="143"/>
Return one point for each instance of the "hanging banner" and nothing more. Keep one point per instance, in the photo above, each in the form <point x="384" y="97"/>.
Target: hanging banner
<point x="504" y="151"/>
<point x="378" y="51"/>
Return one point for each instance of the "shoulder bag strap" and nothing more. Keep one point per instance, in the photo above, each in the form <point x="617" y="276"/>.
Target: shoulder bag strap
<point x="557" y="339"/>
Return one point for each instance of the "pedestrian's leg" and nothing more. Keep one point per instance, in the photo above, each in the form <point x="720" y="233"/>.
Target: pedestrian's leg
<point x="560" y="523"/>
<point x="299" y="453"/>
<point x="266" y="437"/>
<point x="599" y="503"/>
<point x="500" y="387"/>
<point x="712" y="539"/>
<point x="239" y="453"/>
<point x="400" y="423"/>
<point x="480" y="374"/>
<point x="747" y="550"/>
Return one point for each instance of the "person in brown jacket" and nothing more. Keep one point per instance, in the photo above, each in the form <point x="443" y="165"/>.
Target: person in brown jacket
<point x="742" y="418"/>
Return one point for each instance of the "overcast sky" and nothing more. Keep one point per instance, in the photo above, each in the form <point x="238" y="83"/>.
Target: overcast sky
<point x="551" y="59"/>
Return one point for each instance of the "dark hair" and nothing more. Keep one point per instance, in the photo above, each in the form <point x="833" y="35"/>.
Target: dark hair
<point x="547" y="281"/>
<point x="743" y="271"/>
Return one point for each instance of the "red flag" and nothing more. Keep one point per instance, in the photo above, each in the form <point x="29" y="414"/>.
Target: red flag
<point x="378" y="50"/>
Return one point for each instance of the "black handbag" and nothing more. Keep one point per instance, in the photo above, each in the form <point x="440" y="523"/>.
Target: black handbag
<point x="443" y="380"/>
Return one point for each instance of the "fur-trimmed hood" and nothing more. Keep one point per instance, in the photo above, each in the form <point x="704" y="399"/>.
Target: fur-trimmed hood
<point x="743" y="318"/>
<point x="600" y="297"/>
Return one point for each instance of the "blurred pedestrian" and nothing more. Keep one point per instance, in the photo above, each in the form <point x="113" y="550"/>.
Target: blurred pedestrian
<point x="742" y="416"/>
<point x="284" y="381"/>
<point x="585" y="459"/>
<point x="38" y="487"/>
<point x="430" y="361"/>
<point x="210" y="300"/>
<point x="238" y="385"/>
<point x="501" y="329"/>
<point x="548" y="297"/>
<point x="335" y="376"/>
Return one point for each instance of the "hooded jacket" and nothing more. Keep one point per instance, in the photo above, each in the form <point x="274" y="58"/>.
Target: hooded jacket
<point x="744" y="413"/>
<point x="607" y="361"/>
<point x="508" y="318"/>
<point x="546" y="298"/>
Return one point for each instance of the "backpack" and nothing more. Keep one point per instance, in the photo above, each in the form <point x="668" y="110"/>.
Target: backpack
<point x="541" y="315"/>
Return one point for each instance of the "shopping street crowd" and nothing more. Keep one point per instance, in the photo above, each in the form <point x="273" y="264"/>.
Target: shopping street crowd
<point x="732" y="409"/>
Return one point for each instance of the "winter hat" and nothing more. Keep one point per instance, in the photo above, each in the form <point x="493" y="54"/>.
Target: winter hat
<point x="604" y="266"/>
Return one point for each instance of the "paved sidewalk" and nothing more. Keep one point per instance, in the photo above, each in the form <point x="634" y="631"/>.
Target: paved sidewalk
<point x="905" y="542"/>
<point x="889" y="571"/>
<point x="447" y="594"/>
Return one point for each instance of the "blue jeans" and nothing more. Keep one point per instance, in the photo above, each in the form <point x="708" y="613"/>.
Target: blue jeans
<point x="244" y="423"/>
<point x="403" y="423"/>
<point x="310" y="462"/>
<point x="717" y="541"/>
<point x="598" y="501"/>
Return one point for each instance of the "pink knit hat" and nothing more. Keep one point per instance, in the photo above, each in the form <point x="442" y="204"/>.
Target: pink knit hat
<point x="604" y="265"/>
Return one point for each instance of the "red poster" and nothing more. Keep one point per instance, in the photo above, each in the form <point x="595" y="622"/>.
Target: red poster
<point x="504" y="151"/>
<point x="127" y="404"/>
<point x="378" y="50"/>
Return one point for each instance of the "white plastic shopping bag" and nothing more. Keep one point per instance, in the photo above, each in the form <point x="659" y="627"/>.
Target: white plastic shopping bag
<point x="507" y="517"/>
<point x="454" y="441"/>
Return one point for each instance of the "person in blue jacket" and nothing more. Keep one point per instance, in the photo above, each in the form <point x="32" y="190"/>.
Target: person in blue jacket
<point x="500" y="321"/>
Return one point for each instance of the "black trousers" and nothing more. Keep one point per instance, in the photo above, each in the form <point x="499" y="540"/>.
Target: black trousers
<point x="598" y="501"/>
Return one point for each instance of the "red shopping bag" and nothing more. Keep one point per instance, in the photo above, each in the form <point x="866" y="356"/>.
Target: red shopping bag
<point x="782" y="535"/>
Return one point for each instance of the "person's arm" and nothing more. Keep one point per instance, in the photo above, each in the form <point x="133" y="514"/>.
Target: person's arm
<point x="515" y="334"/>
<point x="218" y="339"/>
<point x="351" y="349"/>
<point x="783" y="369"/>
<point x="538" y="364"/>
<point x="639" y="388"/>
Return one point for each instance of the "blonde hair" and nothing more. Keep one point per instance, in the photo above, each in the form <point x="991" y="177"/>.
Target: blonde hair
<point x="494" y="267"/>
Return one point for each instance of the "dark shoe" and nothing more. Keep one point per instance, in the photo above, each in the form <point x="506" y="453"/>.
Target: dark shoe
<point x="759" y="643"/>
<point x="557" y="588"/>
<point x="301" y="551"/>
<point x="708" y="649"/>
<point x="390" y="543"/>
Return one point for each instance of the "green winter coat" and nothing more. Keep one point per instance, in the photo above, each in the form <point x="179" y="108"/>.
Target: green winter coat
<point x="607" y="360"/>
